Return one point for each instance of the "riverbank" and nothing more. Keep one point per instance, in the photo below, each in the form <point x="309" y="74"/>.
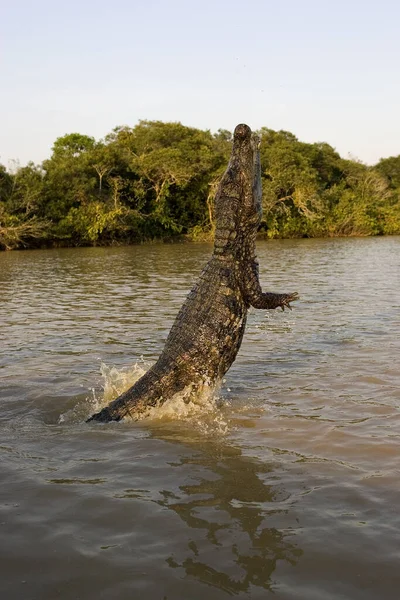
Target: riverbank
<point x="198" y="237"/>
<point x="157" y="181"/>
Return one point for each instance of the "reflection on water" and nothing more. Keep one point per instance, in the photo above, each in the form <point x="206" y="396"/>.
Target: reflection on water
<point x="227" y="509"/>
<point x="285" y="484"/>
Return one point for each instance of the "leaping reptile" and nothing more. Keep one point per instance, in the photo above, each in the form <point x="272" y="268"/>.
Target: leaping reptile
<point x="207" y="333"/>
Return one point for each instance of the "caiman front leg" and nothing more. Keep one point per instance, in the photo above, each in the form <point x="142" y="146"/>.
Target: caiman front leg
<point x="254" y="295"/>
<point x="271" y="300"/>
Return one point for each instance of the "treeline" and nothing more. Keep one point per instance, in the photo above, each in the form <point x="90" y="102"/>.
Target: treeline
<point x="157" y="181"/>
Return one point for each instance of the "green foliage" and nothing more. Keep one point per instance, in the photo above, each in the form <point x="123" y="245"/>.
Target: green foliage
<point x="72" y="145"/>
<point x="309" y="191"/>
<point x="90" y="223"/>
<point x="158" y="180"/>
<point x="390" y="168"/>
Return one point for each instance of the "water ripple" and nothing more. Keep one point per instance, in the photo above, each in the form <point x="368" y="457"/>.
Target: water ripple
<point x="287" y="482"/>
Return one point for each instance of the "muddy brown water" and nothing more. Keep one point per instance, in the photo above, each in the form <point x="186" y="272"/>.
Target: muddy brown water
<point x="286" y="484"/>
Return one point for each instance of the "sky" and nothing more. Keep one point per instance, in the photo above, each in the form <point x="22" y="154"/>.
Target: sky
<point x="326" y="70"/>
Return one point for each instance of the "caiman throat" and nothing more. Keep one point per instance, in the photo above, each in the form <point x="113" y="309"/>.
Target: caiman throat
<point x="208" y="330"/>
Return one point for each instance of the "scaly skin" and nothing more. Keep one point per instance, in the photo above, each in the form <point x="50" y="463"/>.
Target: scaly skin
<point x="207" y="333"/>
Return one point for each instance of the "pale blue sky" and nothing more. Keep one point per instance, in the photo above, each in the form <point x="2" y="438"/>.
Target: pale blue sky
<point x="325" y="70"/>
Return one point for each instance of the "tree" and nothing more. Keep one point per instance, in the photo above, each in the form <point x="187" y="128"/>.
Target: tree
<point x="69" y="179"/>
<point x="390" y="168"/>
<point x="359" y="208"/>
<point x="290" y="185"/>
<point x="104" y="160"/>
<point x="26" y="190"/>
<point x="174" y="165"/>
<point x="72" y="145"/>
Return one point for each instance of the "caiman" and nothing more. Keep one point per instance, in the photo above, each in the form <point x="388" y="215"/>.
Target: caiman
<point x="208" y="330"/>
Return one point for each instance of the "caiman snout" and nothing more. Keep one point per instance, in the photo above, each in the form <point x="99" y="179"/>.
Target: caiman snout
<point x="242" y="132"/>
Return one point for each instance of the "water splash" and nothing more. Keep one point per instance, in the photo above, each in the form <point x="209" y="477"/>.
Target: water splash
<point x="116" y="381"/>
<point x="200" y="408"/>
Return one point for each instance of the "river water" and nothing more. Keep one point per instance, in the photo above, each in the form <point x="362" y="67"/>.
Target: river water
<point x="284" y="484"/>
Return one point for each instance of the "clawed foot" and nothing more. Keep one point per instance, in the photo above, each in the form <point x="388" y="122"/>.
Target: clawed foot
<point x="286" y="299"/>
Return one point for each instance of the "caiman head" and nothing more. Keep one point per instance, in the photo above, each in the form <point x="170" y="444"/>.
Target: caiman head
<point x="238" y="199"/>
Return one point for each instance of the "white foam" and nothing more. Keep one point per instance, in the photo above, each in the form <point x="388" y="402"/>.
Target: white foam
<point x="201" y="408"/>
